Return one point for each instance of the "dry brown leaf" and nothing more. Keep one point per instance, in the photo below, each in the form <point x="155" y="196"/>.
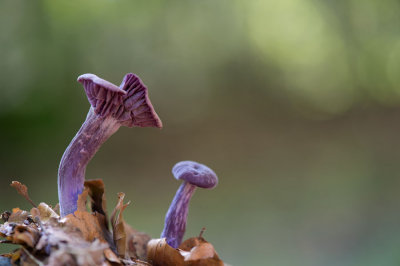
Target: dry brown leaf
<point x="44" y="211"/>
<point x="195" y="251"/>
<point x="159" y="253"/>
<point x="25" y="235"/>
<point x="110" y="256"/>
<point x="97" y="195"/>
<point x="190" y="243"/>
<point x="81" y="238"/>
<point x="18" y="216"/>
<point x="77" y="239"/>
<point x="117" y="222"/>
<point x="136" y="242"/>
<point x="129" y="242"/>
<point x="98" y="207"/>
<point x="22" y="190"/>
<point x="202" y="251"/>
<point x="35" y="213"/>
<point x="86" y="222"/>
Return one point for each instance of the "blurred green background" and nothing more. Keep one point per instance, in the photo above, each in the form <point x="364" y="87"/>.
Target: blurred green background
<point x="295" y="104"/>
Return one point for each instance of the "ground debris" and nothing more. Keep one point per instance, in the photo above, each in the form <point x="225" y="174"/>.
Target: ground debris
<point x="85" y="238"/>
<point x="82" y="238"/>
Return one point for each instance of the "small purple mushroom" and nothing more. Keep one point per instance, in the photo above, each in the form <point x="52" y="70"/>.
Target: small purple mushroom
<point x="194" y="175"/>
<point x="111" y="107"/>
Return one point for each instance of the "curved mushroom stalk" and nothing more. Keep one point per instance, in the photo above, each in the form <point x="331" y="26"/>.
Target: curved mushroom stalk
<point x="71" y="173"/>
<point x="111" y="107"/>
<point x="194" y="175"/>
<point x="176" y="217"/>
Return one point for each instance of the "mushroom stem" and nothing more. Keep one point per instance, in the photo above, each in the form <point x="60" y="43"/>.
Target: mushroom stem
<point x="175" y="220"/>
<point x="71" y="174"/>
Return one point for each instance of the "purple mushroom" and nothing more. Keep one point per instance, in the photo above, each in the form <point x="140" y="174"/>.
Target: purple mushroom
<point x="111" y="107"/>
<point x="194" y="175"/>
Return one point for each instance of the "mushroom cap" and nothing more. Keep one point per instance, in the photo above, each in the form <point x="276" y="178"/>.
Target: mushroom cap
<point x="99" y="82"/>
<point x="195" y="173"/>
<point x="129" y="103"/>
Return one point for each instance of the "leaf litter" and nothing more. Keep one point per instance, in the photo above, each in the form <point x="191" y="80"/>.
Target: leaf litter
<point x="85" y="237"/>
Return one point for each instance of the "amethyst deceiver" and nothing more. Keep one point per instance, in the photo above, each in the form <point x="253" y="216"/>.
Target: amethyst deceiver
<point x="111" y="107"/>
<point x="194" y="175"/>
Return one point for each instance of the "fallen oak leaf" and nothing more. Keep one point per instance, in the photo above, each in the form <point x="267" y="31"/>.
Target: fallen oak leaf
<point x="202" y="251"/>
<point x="110" y="256"/>
<point x="72" y="239"/>
<point x="195" y="251"/>
<point x="189" y="243"/>
<point x="159" y="253"/>
<point x="203" y="254"/>
<point x="97" y="196"/>
<point x="17" y="216"/>
<point x="22" y="190"/>
<point x="86" y="222"/>
<point x="25" y="235"/>
<point x="136" y="242"/>
<point x="117" y="222"/>
<point x="44" y="212"/>
<point x="20" y="230"/>
<point x="129" y="242"/>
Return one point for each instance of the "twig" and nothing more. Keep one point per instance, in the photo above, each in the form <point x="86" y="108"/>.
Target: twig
<point x="32" y="257"/>
<point x="22" y="190"/>
<point x="201" y="232"/>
